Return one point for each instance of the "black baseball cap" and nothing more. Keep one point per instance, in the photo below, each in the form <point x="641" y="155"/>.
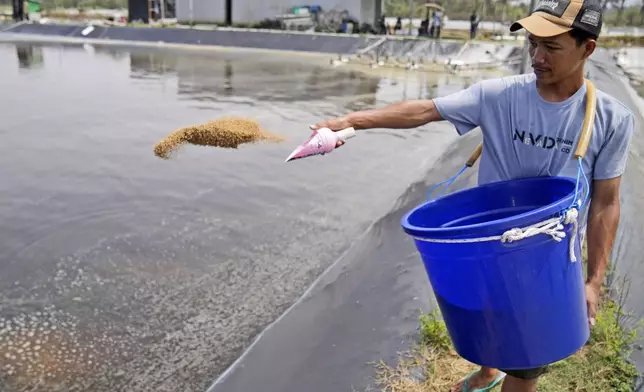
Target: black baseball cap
<point x="554" y="17"/>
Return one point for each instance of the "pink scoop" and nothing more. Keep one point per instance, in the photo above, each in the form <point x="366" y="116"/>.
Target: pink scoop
<point x="322" y="141"/>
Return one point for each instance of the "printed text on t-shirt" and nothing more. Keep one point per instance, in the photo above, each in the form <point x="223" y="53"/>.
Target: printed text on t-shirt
<point x="546" y="142"/>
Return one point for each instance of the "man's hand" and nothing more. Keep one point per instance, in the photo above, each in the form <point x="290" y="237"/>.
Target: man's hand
<point x="336" y="124"/>
<point x="592" y="301"/>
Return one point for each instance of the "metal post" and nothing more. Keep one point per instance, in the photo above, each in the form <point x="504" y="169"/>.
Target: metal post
<point x="191" y="13"/>
<point x="18" y="10"/>
<point x="229" y="12"/>
<point x="162" y="5"/>
<point x="411" y="15"/>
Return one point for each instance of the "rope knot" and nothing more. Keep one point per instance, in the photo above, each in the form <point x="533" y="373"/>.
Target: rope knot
<point x="551" y="227"/>
<point x="557" y="233"/>
<point x="513" y="235"/>
<point x="571" y="216"/>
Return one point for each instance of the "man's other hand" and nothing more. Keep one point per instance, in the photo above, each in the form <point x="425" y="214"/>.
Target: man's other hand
<point x="592" y="301"/>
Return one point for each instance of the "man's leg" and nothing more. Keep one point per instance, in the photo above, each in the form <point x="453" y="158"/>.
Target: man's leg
<point x="480" y="379"/>
<point x="513" y="384"/>
<point x="522" y="380"/>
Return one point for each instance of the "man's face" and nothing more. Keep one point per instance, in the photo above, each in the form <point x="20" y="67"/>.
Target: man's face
<point x="556" y="58"/>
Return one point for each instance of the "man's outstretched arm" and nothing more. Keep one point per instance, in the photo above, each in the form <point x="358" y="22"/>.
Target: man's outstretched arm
<point x="462" y="109"/>
<point x="399" y="115"/>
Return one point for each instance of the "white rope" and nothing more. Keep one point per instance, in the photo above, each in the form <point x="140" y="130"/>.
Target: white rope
<point x="571" y="217"/>
<point x="553" y="227"/>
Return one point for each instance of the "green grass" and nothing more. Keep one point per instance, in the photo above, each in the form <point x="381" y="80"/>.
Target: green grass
<point x="433" y="331"/>
<point x="602" y="365"/>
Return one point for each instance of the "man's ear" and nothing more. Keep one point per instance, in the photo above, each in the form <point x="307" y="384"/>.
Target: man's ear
<point x="590" y="46"/>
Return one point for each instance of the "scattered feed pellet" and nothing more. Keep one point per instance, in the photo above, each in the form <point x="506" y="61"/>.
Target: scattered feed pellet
<point x="227" y="132"/>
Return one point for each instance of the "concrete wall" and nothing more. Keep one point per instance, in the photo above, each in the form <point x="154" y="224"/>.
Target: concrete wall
<point x="368" y="11"/>
<point x="202" y="10"/>
<point x="245" y="11"/>
<point x="335" y="44"/>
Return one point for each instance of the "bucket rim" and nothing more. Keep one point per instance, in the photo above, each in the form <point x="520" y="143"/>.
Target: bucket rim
<point x="498" y="225"/>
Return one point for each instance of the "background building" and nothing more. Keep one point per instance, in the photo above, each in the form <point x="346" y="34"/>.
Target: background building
<point x="253" y="11"/>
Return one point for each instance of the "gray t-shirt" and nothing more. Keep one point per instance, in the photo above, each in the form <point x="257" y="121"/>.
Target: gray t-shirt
<point x="526" y="136"/>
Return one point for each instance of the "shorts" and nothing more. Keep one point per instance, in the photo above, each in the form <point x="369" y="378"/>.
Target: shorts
<point x="526" y="374"/>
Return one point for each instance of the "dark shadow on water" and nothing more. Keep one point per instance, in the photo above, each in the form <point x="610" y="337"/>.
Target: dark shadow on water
<point x="262" y="82"/>
<point x="150" y="65"/>
<point x="110" y="51"/>
<point x="29" y="56"/>
<point x="204" y="78"/>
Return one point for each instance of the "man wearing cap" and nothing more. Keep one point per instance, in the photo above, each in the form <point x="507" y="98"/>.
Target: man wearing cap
<point x="530" y="125"/>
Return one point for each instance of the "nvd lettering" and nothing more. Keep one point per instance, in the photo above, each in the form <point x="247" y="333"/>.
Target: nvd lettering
<point x="546" y="142"/>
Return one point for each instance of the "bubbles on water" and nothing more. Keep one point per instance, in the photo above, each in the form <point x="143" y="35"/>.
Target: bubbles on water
<point x="44" y="344"/>
<point x="53" y="347"/>
<point x="104" y="324"/>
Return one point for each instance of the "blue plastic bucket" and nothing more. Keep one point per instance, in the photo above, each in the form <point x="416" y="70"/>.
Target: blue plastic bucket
<point x="507" y="305"/>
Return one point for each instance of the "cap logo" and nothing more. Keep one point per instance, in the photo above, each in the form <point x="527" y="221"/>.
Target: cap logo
<point x="591" y="17"/>
<point x="552" y="4"/>
<point x="552" y="7"/>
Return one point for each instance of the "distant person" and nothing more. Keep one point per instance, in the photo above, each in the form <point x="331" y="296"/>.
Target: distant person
<point x="474" y="24"/>
<point x="18" y="11"/>
<point x="355" y="25"/>
<point x="516" y="114"/>
<point x="432" y="28"/>
<point x="316" y="10"/>
<point x="382" y="25"/>
<point x="423" y="30"/>
<point x="398" y="26"/>
<point x="344" y="26"/>
<point x="436" y="23"/>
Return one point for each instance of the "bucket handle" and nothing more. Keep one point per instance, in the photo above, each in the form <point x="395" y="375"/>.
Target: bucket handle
<point x="589" y="121"/>
<point x="580" y="151"/>
<point x="475" y="155"/>
<point x="584" y="141"/>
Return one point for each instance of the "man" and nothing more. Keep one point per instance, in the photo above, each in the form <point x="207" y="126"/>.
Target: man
<point x="437" y="21"/>
<point x="398" y="25"/>
<point x="530" y="126"/>
<point x="382" y="26"/>
<point x="474" y="24"/>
